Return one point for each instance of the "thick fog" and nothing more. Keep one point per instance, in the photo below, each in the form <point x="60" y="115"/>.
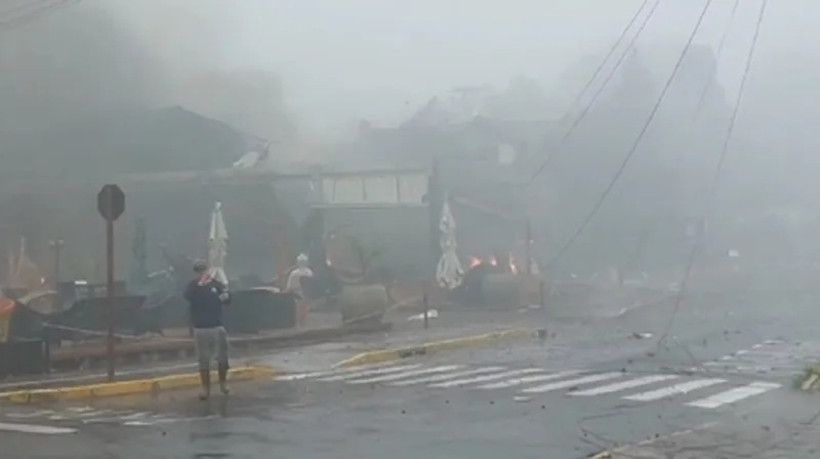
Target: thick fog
<point x="308" y="73"/>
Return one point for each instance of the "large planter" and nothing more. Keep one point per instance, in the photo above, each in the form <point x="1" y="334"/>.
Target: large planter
<point x="254" y="310"/>
<point x="363" y="303"/>
<point x="504" y="290"/>
<point x="22" y="356"/>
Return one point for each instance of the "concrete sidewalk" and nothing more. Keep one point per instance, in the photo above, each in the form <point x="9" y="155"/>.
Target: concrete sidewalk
<point x="314" y="354"/>
<point x="151" y="350"/>
<point x="451" y="324"/>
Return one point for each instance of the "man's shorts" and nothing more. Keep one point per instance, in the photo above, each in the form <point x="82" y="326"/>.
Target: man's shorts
<point x="211" y="344"/>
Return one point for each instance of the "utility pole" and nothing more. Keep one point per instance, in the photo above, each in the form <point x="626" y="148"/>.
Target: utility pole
<point x="528" y="246"/>
<point x="57" y="245"/>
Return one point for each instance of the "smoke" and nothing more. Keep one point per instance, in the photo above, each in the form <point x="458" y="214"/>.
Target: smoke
<point x="87" y="60"/>
<point x="71" y="61"/>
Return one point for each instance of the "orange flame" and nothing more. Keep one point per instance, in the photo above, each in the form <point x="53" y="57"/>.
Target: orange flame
<point x="474" y="261"/>
<point x="494" y="261"/>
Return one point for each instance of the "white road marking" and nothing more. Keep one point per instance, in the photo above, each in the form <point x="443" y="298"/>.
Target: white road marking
<point x="335" y="371"/>
<point x="572" y="382"/>
<point x="405" y="374"/>
<point x="362" y="374"/>
<point x="610" y="388"/>
<point x="35" y="429"/>
<point x="300" y="376"/>
<point x="34" y="414"/>
<point x="481" y="379"/>
<point x="448" y="376"/>
<point x="734" y="395"/>
<point x="682" y="388"/>
<point x="528" y="379"/>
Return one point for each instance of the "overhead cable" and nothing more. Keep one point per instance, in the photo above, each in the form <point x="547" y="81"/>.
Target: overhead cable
<point x="718" y="169"/>
<point x="599" y="203"/>
<point x="600" y="90"/>
<point x="717" y="55"/>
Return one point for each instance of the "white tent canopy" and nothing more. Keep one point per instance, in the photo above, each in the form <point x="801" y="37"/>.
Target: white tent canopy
<point x="218" y="245"/>
<point x="449" y="272"/>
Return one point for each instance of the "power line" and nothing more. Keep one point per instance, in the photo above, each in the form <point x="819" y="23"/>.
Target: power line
<point x="32" y="16"/>
<point x="717" y="55"/>
<point x="22" y="6"/>
<point x="699" y="107"/>
<point x="716" y="178"/>
<point x="611" y="52"/>
<point x="600" y="90"/>
<point x="637" y="142"/>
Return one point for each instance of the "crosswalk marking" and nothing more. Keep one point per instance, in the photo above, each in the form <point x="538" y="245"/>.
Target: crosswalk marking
<point x="532" y="380"/>
<point x="528" y="379"/>
<point x="300" y="376"/>
<point x="572" y="382"/>
<point x="331" y="372"/>
<point x="362" y="374"/>
<point x="405" y="374"/>
<point x="481" y="379"/>
<point x="446" y="376"/>
<point x="610" y="388"/>
<point x="682" y="388"/>
<point x="734" y="395"/>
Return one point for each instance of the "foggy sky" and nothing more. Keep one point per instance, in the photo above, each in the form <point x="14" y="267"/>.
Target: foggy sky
<point x="380" y="59"/>
<point x="369" y="57"/>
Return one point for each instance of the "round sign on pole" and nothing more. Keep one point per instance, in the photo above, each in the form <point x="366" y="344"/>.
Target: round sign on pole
<point x="111" y="202"/>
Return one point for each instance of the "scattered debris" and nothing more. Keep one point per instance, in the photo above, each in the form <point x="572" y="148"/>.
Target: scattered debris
<point x="812" y="378"/>
<point x="431" y="314"/>
<point x="642" y="335"/>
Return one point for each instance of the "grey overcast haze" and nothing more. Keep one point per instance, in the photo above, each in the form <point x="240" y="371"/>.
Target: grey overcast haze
<point x="610" y="205"/>
<point x="372" y="58"/>
<point x="379" y="60"/>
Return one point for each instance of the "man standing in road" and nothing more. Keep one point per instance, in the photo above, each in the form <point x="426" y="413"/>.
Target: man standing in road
<point x="206" y="297"/>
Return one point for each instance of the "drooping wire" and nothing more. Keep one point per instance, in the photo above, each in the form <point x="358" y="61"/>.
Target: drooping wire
<point x="717" y="55"/>
<point x="22" y="6"/>
<point x="600" y="90"/>
<point x="611" y="52"/>
<point x="599" y="203"/>
<point x="35" y="14"/>
<point x="717" y="175"/>
<point x="647" y="232"/>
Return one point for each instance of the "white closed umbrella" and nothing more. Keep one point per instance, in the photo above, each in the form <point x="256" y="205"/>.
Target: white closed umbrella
<point x="449" y="273"/>
<point x="218" y="245"/>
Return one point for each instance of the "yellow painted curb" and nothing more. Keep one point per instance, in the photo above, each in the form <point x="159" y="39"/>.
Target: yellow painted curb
<point x="139" y="386"/>
<point x="386" y="355"/>
<point x="601" y="455"/>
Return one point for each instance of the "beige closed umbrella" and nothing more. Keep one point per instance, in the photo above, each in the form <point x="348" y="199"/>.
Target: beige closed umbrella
<point x="218" y="245"/>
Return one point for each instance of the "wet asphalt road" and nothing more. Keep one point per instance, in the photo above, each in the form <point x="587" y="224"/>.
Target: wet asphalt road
<point x="580" y="405"/>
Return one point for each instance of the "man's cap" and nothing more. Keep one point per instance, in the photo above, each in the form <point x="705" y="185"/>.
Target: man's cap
<point x="200" y="266"/>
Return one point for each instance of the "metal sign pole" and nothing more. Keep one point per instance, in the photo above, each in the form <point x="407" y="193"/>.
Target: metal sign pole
<point x="111" y="204"/>
<point x="109" y="235"/>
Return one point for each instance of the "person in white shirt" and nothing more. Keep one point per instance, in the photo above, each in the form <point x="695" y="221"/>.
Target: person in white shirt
<point x="294" y="286"/>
